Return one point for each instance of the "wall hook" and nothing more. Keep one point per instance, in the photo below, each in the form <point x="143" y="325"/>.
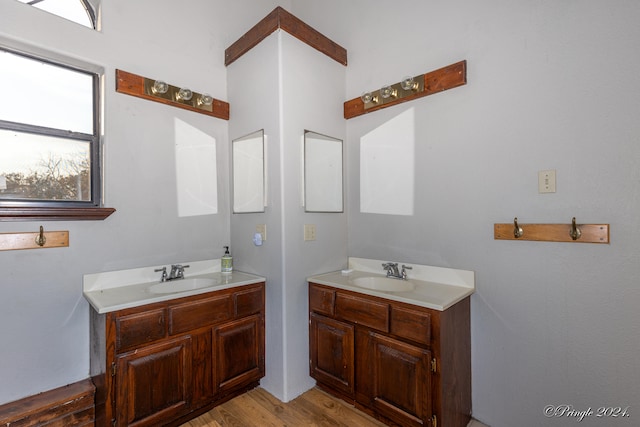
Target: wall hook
<point x="575" y="232"/>
<point x="517" y="230"/>
<point x="41" y="240"/>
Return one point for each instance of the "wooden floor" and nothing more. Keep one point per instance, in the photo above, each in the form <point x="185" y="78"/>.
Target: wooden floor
<point x="258" y="408"/>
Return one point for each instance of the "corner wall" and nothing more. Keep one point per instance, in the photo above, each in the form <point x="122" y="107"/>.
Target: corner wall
<point x="297" y="88"/>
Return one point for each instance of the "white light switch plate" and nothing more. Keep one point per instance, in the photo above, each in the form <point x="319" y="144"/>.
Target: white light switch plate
<point x="309" y="232"/>
<point x="547" y="181"/>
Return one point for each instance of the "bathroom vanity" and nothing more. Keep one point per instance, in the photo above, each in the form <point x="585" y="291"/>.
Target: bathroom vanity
<point x="400" y="350"/>
<point x="161" y="357"/>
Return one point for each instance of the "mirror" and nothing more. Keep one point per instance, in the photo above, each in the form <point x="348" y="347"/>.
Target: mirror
<point x="322" y="173"/>
<point x="248" y="173"/>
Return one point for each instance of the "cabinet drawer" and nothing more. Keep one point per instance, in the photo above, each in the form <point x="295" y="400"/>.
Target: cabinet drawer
<point x="193" y="315"/>
<point x="411" y="324"/>
<point x="321" y="300"/>
<point x="134" y="330"/>
<point x="250" y="301"/>
<point x="362" y="311"/>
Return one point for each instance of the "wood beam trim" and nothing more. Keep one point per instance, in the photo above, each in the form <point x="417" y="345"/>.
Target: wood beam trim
<point x="436" y="81"/>
<point x="280" y="18"/>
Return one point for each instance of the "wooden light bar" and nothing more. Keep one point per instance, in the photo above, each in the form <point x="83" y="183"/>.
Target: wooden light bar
<point x="436" y="81"/>
<point x="134" y="85"/>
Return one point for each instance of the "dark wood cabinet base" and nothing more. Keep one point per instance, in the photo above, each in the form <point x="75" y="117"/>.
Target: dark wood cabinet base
<point x="405" y="365"/>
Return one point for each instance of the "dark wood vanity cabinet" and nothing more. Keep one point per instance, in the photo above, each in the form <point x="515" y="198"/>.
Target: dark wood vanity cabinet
<point x="165" y="363"/>
<point x="406" y="365"/>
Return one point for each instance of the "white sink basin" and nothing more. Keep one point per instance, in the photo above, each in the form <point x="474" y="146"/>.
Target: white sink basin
<point x="182" y="285"/>
<point x="384" y="284"/>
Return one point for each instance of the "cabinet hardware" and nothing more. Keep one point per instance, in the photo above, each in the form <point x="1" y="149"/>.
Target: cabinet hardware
<point x="434" y="421"/>
<point x="433" y="365"/>
<point x="114" y="369"/>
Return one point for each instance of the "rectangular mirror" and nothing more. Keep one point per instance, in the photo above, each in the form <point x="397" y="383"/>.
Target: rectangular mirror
<point x="248" y="173"/>
<point x="322" y="173"/>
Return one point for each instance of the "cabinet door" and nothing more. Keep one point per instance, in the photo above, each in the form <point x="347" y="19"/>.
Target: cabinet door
<point x="401" y="381"/>
<point x="238" y="353"/>
<point x="331" y="353"/>
<point x="153" y="385"/>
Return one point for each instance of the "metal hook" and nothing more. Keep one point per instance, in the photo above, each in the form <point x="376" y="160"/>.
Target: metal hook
<point x="41" y="240"/>
<point x="517" y="230"/>
<point x="575" y="232"/>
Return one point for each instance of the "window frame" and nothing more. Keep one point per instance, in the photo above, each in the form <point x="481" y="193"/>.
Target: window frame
<point x="24" y="209"/>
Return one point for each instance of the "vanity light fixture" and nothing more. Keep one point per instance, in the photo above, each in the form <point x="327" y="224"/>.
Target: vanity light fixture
<point x="408" y="89"/>
<point x="390" y="93"/>
<point x="162" y="92"/>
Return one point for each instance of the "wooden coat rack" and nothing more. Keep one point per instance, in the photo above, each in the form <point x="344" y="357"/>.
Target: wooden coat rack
<point x="572" y="233"/>
<point x="37" y="240"/>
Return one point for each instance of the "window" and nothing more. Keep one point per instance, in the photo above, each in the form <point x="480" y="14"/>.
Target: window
<point x="79" y="11"/>
<point x="49" y="139"/>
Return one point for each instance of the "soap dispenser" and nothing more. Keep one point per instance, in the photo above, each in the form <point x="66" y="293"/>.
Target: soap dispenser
<point x="226" y="262"/>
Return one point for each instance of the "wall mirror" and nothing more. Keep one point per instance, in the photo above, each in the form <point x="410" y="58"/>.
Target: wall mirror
<point x="322" y="173"/>
<point x="248" y="173"/>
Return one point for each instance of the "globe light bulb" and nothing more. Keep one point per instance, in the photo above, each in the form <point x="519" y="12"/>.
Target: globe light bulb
<point x="205" y="99"/>
<point x="159" y="87"/>
<point x="408" y="83"/>
<point x="184" y="94"/>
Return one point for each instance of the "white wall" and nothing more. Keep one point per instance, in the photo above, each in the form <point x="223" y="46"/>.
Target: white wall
<point x="44" y="323"/>
<point x="296" y="88"/>
<point x="550" y="86"/>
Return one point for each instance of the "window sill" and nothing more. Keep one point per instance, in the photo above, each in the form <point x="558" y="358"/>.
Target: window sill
<point x="54" y="214"/>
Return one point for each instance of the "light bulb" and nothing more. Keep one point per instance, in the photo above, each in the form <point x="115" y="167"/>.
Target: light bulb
<point x="184" y="94"/>
<point x="159" y="87"/>
<point x="367" y="98"/>
<point x="387" y="92"/>
<point x="408" y="83"/>
<point x="205" y="99"/>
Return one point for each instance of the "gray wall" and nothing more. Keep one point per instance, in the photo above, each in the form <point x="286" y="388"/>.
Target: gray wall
<point x="296" y="88"/>
<point x="44" y="319"/>
<point x="551" y="86"/>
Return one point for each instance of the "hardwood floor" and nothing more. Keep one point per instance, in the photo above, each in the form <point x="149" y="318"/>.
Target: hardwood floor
<point x="258" y="408"/>
<point x="315" y="408"/>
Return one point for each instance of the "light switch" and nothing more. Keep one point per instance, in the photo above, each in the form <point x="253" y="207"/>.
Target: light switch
<point x="547" y="181"/>
<point x="309" y="232"/>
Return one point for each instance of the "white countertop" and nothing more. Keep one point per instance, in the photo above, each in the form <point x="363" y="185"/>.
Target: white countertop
<point x="116" y="290"/>
<point x="435" y="287"/>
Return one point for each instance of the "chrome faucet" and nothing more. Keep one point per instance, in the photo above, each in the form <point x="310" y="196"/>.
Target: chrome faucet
<point x="177" y="272"/>
<point x="392" y="270"/>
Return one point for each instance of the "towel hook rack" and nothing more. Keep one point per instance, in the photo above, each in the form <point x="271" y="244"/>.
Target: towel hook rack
<point x="575" y="232"/>
<point x="517" y="230"/>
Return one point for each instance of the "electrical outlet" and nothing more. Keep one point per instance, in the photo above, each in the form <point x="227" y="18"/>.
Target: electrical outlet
<point x="262" y="229"/>
<point x="547" y="181"/>
<point x="309" y="232"/>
